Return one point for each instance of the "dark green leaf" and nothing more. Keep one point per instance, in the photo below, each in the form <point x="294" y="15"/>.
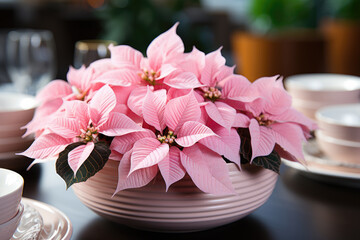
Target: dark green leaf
<point x="92" y="165"/>
<point x="271" y="162"/>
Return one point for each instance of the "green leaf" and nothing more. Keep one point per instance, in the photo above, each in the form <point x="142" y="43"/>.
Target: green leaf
<point x="271" y="162"/>
<point x="92" y="165"/>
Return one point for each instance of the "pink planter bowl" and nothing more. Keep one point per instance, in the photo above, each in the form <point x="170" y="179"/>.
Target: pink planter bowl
<point x="184" y="208"/>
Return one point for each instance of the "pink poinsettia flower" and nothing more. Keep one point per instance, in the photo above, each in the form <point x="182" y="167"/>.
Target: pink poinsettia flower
<point x="221" y="87"/>
<point x="80" y="86"/>
<point x="173" y="145"/>
<point x="161" y="66"/>
<point x="82" y="122"/>
<point x="160" y="69"/>
<point x="273" y="123"/>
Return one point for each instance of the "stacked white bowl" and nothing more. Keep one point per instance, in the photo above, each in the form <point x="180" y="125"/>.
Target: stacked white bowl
<point x="310" y="92"/>
<point x="11" y="208"/>
<point x="339" y="133"/>
<point x="16" y="110"/>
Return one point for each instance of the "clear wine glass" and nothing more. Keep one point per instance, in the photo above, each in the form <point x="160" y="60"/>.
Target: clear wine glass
<point x="30" y="59"/>
<point x="87" y="51"/>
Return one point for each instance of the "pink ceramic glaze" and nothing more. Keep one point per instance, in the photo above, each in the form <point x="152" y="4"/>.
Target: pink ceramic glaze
<point x="8" y="228"/>
<point x="311" y="92"/>
<point x="184" y="208"/>
<point x="15" y="144"/>
<point x="337" y="149"/>
<point x="11" y="186"/>
<point x="12" y="130"/>
<point x="330" y="88"/>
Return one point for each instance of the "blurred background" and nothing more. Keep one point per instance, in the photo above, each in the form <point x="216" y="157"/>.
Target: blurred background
<point x="262" y="37"/>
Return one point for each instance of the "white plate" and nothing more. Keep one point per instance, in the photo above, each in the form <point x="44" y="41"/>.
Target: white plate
<point x="321" y="168"/>
<point x="54" y="224"/>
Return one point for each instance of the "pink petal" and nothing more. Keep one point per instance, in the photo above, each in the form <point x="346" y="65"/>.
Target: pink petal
<point x="137" y="179"/>
<point x="65" y="127"/>
<point x="116" y="156"/>
<point x="147" y="152"/>
<point x="213" y="62"/>
<point x="167" y="45"/>
<point x="184" y="80"/>
<point x="136" y="99"/>
<point x="55" y="89"/>
<point x="180" y="110"/>
<point x="284" y="154"/>
<point x="101" y="105"/>
<point x="119" y="77"/>
<point x="119" y="124"/>
<point x="122" y="55"/>
<point x="236" y="87"/>
<point x="80" y="78"/>
<point x="154" y="107"/>
<point x="42" y="116"/>
<point x="171" y="168"/>
<point x="78" y="156"/>
<point x="45" y="146"/>
<point x="290" y="137"/>
<point x="193" y="62"/>
<point x="165" y="70"/>
<point x="293" y="116"/>
<point x="228" y="144"/>
<point x="241" y="121"/>
<point x="78" y="110"/>
<point x="221" y="113"/>
<point x="208" y="170"/>
<point x="262" y="140"/>
<point x="192" y="132"/>
<point x="124" y="143"/>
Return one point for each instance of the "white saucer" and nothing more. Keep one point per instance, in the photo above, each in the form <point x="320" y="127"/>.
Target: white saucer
<point x="53" y="223"/>
<point x="321" y="168"/>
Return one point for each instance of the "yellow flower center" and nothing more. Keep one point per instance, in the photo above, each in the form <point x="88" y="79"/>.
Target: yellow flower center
<point x="149" y="76"/>
<point x="263" y="120"/>
<point x="89" y="135"/>
<point x="211" y="93"/>
<point x="168" y="138"/>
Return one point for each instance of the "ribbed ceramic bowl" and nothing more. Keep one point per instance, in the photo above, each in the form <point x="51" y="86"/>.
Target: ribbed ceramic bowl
<point x="16" y="108"/>
<point x="11" y="186"/>
<point x="184" y="208"/>
<point x="339" y="150"/>
<point x="340" y="121"/>
<point x="8" y="228"/>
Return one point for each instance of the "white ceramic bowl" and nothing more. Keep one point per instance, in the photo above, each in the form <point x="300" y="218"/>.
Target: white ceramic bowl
<point x="339" y="150"/>
<point x="11" y="187"/>
<point x="16" y="108"/>
<point x="184" y="208"/>
<point x="8" y="228"/>
<point x="340" y="121"/>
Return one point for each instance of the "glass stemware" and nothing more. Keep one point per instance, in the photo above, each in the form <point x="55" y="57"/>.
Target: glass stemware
<point x="87" y="51"/>
<point x="30" y="59"/>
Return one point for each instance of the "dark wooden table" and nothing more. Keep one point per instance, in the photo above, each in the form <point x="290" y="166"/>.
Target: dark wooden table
<point x="299" y="208"/>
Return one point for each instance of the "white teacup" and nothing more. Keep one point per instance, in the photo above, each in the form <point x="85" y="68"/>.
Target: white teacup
<point x="11" y="187"/>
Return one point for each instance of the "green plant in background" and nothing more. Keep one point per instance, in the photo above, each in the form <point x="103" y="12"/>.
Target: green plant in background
<point x="343" y="9"/>
<point x="280" y="15"/>
<point x="136" y="23"/>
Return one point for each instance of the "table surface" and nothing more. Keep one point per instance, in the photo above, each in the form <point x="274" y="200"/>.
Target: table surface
<point x="299" y="208"/>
